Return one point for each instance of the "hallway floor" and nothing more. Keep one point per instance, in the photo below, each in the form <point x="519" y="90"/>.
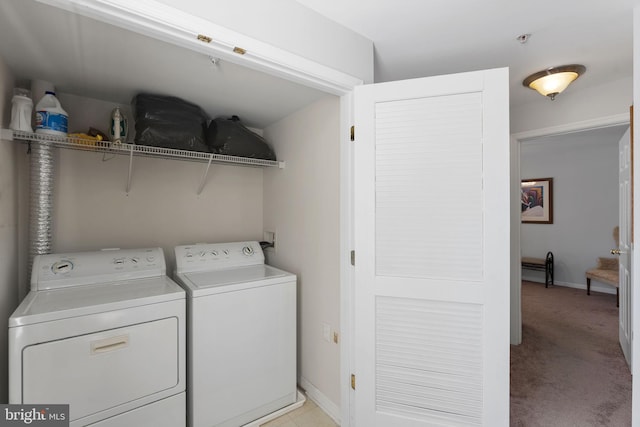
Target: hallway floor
<point x="569" y="369"/>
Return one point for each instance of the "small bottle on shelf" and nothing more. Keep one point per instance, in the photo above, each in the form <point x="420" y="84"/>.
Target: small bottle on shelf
<point x="118" y="128"/>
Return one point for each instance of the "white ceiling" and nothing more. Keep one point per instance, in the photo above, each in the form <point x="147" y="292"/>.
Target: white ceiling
<point x="417" y="38"/>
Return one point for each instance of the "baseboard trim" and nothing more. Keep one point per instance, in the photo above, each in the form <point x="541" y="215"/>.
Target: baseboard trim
<point x="595" y="287"/>
<point x="320" y="399"/>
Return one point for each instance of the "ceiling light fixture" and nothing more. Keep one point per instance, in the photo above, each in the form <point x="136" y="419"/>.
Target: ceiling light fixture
<point x="554" y="80"/>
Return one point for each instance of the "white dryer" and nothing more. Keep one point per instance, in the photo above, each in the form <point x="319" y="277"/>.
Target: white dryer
<point x="241" y="333"/>
<point x="105" y="333"/>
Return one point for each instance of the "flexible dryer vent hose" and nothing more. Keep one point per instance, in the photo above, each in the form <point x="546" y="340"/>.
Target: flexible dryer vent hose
<point x="41" y="201"/>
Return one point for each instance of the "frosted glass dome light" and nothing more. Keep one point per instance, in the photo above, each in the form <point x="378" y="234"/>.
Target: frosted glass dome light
<point x="554" y="80"/>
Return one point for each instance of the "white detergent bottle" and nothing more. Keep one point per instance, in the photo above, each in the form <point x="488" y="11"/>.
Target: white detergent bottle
<point x="51" y="119"/>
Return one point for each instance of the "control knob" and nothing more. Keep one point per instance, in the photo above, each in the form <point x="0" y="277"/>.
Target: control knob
<point x="62" y="267"/>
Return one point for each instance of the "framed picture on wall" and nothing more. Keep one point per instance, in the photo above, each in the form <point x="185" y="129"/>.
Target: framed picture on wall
<point x="536" y="200"/>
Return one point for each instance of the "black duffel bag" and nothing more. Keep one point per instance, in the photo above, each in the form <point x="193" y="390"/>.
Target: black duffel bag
<point x="169" y="122"/>
<point x="230" y="137"/>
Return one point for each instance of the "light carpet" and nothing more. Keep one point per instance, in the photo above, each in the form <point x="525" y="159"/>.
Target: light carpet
<point x="569" y="369"/>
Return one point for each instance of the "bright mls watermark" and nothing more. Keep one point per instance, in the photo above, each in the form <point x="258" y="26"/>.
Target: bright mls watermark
<point x="34" y="415"/>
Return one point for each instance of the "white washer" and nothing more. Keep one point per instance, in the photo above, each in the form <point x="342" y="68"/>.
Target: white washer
<point x="105" y="333"/>
<point x="241" y="333"/>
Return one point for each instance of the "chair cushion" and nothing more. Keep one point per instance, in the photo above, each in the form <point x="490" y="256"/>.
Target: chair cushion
<point x="610" y="277"/>
<point x="532" y="260"/>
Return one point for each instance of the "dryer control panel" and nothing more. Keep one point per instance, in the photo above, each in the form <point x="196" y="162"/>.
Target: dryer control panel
<point x="89" y="268"/>
<point x="214" y="256"/>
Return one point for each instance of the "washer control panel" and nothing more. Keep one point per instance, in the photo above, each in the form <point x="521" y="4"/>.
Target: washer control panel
<point x="86" y="268"/>
<point x="213" y="256"/>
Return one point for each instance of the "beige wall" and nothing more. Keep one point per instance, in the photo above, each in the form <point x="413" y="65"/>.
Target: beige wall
<point x="302" y="205"/>
<point x="92" y="209"/>
<point x="8" y="226"/>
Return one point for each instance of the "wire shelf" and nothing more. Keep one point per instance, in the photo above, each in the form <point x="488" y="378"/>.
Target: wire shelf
<point x="139" y="150"/>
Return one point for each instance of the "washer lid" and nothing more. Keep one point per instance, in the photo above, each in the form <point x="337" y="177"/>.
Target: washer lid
<point x="252" y="276"/>
<point x="54" y="304"/>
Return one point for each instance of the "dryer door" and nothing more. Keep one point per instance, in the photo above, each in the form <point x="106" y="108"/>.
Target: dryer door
<point x="102" y="370"/>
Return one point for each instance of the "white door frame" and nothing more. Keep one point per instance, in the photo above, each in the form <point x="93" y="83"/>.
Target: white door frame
<point x="347" y="278"/>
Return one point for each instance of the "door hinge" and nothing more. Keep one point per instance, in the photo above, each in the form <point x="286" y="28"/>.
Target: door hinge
<point x="353" y="257"/>
<point x="204" y="38"/>
<point x="353" y="381"/>
<point x="353" y="133"/>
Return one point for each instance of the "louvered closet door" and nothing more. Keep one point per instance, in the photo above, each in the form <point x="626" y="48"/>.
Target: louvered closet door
<point x="432" y="251"/>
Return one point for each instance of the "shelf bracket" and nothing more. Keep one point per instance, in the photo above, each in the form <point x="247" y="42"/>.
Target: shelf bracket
<point x="203" y="180"/>
<point x="130" y="168"/>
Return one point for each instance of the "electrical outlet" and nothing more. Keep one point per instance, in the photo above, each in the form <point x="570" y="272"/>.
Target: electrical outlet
<point x="270" y="236"/>
<point x="326" y="332"/>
